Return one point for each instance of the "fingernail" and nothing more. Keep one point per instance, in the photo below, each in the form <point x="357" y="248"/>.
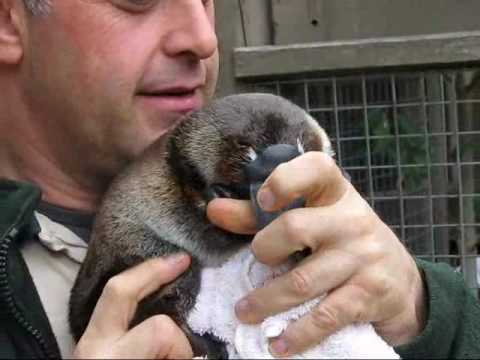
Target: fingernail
<point x="279" y="347"/>
<point x="242" y="308"/>
<point x="266" y="199"/>
<point x="177" y="258"/>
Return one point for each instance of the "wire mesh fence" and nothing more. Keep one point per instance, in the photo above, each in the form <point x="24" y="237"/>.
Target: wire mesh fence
<point x="411" y="143"/>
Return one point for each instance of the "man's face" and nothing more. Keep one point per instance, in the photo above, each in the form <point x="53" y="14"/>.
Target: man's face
<point x="105" y="78"/>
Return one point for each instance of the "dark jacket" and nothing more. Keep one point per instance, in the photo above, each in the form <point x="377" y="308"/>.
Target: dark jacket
<point x="25" y="331"/>
<point x="452" y="331"/>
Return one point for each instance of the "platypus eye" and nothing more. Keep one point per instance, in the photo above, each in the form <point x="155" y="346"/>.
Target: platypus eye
<point x="220" y="190"/>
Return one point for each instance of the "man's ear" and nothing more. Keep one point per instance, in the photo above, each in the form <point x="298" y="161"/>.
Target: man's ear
<point x="11" y="46"/>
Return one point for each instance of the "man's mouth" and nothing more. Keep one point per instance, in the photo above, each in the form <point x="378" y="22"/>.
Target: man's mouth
<point x="179" y="91"/>
<point x="176" y="99"/>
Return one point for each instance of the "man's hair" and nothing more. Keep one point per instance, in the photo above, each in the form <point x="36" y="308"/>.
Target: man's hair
<point x="37" y="7"/>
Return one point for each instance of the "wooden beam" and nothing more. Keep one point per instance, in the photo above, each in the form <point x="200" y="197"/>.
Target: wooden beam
<point x="440" y="49"/>
<point x="332" y="20"/>
<point x="229" y="32"/>
<point x="256" y="22"/>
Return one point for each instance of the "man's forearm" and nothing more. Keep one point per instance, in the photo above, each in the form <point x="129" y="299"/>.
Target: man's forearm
<point x="453" y="317"/>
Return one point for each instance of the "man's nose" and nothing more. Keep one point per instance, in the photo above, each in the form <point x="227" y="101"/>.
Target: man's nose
<point x="192" y="31"/>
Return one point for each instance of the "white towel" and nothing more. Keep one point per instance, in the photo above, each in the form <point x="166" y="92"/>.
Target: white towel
<point x="223" y="286"/>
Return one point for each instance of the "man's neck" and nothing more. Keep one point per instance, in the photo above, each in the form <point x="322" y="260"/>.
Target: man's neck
<point x="27" y="154"/>
<point x="36" y="165"/>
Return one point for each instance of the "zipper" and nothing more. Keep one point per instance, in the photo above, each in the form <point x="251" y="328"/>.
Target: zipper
<point x="7" y="293"/>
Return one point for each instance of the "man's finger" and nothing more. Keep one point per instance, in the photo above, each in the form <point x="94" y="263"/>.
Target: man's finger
<point x="298" y="229"/>
<point x="297" y="286"/>
<point x="158" y="338"/>
<point x="321" y="181"/>
<point x="118" y="302"/>
<point x="335" y="312"/>
<point x="236" y="216"/>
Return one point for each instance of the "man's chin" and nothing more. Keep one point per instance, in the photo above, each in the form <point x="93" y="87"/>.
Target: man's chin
<point x="152" y="130"/>
<point x="151" y="136"/>
<point x="159" y="126"/>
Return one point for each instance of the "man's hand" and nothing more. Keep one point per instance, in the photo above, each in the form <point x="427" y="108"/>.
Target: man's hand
<point x="356" y="259"/>
<point x="107" y="335"/>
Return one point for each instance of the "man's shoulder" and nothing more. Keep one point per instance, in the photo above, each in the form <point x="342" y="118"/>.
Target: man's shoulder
<point x="18" y="200"/>
<point x="13" y="191"/>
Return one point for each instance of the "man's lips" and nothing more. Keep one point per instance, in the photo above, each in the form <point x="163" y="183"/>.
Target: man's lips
<point x="178" y="99"/>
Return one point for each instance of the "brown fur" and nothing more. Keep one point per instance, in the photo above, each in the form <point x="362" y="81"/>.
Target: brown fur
<point x="156" y="207"/>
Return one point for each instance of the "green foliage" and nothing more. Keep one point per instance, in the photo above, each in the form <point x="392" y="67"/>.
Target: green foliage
<point x="413" y="150"/>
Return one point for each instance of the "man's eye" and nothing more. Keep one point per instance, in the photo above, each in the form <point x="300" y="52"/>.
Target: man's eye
<point x="136" y="5"/>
